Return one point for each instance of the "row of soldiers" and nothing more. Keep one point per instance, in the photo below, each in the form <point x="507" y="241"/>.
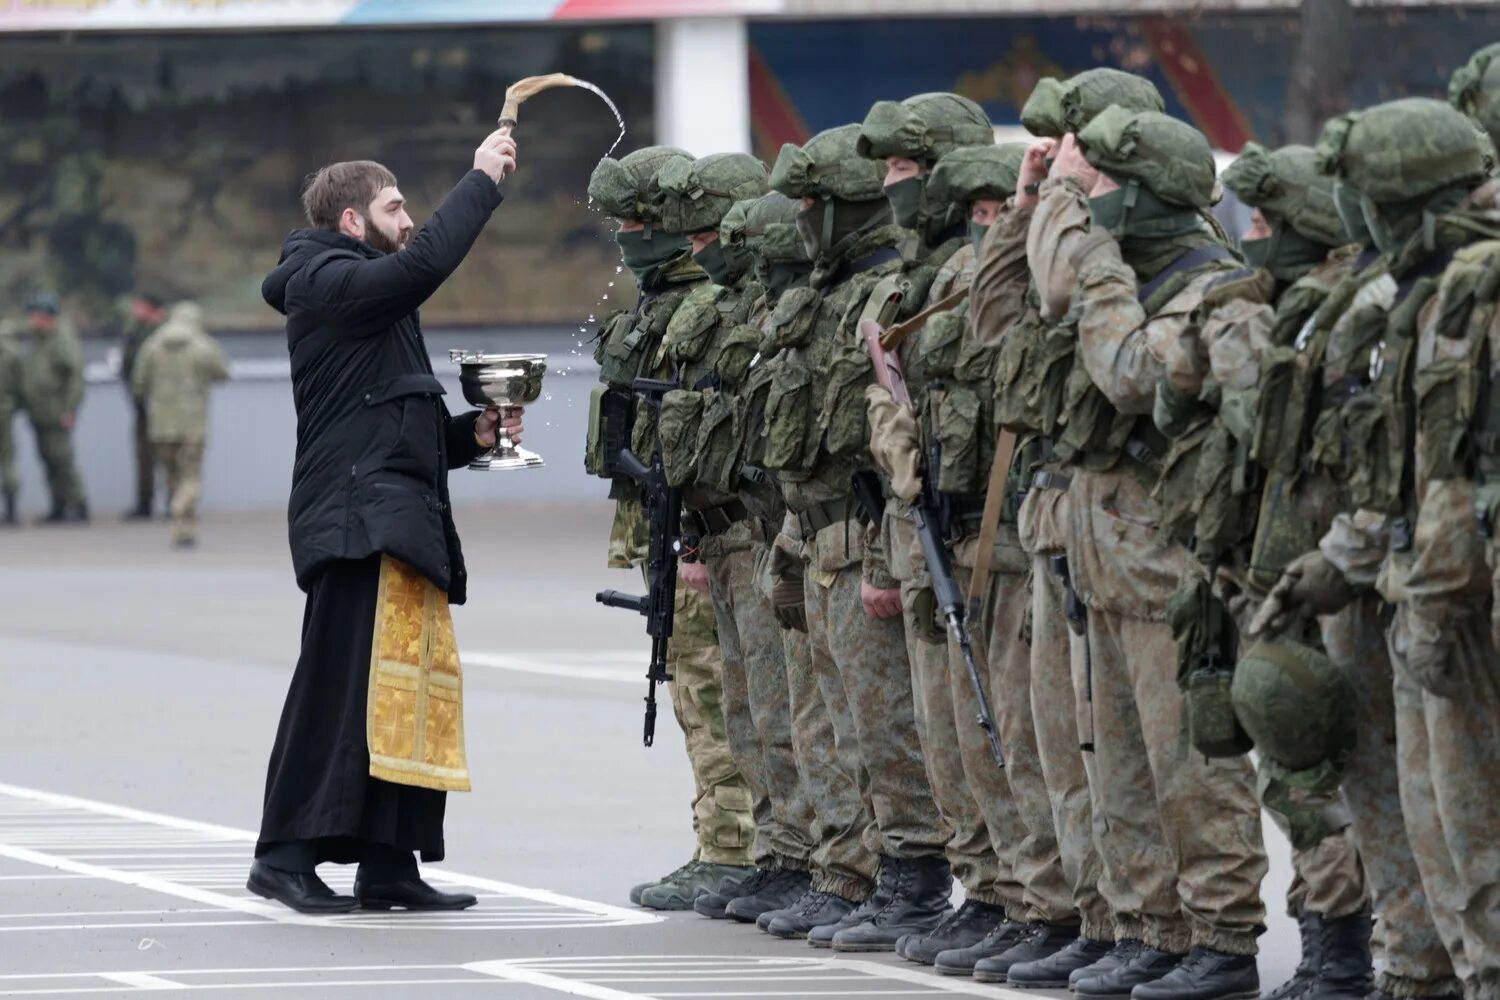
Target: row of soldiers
<point x="1195" y="500"/>
<point x="169" y="364"/>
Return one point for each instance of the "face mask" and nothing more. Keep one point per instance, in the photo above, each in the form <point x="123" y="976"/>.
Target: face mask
<point x="644" y="255"/>
<point x="1346" y="201"/>
<point x="906" y="197"/>
<point x="976" y="233"/>
<point x="723" y="266"/>
<point x="1257" y="252"/>
<point x="1132" y="210"/>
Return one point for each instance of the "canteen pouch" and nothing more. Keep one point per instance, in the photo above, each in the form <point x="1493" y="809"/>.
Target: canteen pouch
<point x="843" y="424"/>
<point x="791" y="427"/>
<point x="960" y="429"/>
<point x="678" y="425"/>
<point x="611" y="416"/>
<point x="718" y="444"/>
<point x="1203" y="637"/>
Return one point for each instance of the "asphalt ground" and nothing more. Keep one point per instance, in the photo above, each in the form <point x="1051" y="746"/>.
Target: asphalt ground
<point x="139" y="693"/>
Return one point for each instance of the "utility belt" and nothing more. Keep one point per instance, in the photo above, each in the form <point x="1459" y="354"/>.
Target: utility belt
<point x="1141" y="453"/>
<point x="823" y="515"/>
<point x="1045" y="480"/>
<point x="711" y="521"/>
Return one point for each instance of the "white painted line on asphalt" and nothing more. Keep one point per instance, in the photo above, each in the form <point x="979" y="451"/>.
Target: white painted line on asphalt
<point x="143" y="981"/>
<point x="933" y="981"/>
<point x="628" y="670"/>
<point x="512" y="971"/>
<point x="198" y="882"/>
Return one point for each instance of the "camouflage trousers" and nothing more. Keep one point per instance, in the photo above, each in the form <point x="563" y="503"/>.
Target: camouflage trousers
<point x="1450" y="793"/>
<point x="55" y="446"/>
<point x="1180" y="834"/>
<point x="10" y="483"/>
<point x="974" y="801"/>
<point x="183" y="461"/>
<point x="827" y="749"/>
<point x="1056" y="703"/>
<point x="757" y="709"/>
<point x="870" y="661"/>
<point x="1408" y="949"/>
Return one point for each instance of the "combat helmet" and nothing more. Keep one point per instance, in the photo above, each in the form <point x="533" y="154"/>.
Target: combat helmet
<point x="1057" y="107"/>
<point x="1398" y="164"/>
<point x="924" y="128"/>
<point x="1298" y="707"/>
<point x="1164" y="167"/>
<point x="690" y="196"/>
<point x="974" y="172"/>
<point x="828" y="168"/>
<point x="622" y="187"/>
<point x="766" y="229"/>
<point x="1475" y="89"/>
<point x="1296" y="200"/>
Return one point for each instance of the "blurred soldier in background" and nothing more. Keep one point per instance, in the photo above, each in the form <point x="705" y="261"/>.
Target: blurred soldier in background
<point x="146" y="314"/>
<point x="173" y="373"/>
<point x="12" y="375"/>
<point x="53" y="390"/>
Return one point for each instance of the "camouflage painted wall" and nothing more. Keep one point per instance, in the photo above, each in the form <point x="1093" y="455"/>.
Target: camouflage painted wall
<point x="173" y="162"/>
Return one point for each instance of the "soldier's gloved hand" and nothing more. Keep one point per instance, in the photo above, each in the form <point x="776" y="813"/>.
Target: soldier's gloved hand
<point x="893" y="442"/>
<point x="788" y="602"/>
<point x="1310" y="585"/>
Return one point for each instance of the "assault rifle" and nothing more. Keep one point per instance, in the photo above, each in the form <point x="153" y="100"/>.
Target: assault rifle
<point x="662" y="505"/>
<point x="928" y="513"/>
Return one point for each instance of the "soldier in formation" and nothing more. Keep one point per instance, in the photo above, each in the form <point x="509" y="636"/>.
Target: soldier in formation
<point x="943" y="406"/>
<point x="52" y="390"/>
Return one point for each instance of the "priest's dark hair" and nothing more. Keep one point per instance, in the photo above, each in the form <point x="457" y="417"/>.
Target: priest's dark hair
<point x="350" y="184"/>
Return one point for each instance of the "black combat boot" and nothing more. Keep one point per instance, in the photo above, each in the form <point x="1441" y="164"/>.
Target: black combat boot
<point x="961" y="961"/>
<point x="919" y="903"/>
<point x="1053" y="973"/>
<point x="77" y="514"/>
<point x="54" y="516"/>
<point x="968" y="925"/>
<point x="1041" y="941"/>
<point x="140" y="512"/>
<point x="714" y="904"/>
<point x="784" y="887"/>
<point x="1310" y="926"/>
<point x="821" y="935"/>
<point x="1205" y="975"/>
<point x="10" y="511"/>
<point x="815" y="909"/>
<point x="1117" y="974"/>
<point x="1347" y="971"/>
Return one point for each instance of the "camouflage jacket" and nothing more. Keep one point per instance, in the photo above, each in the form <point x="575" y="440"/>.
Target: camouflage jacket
<point x="174" y="372"/>
<point x="12" y="376"/>
<point x="53" y="376"/>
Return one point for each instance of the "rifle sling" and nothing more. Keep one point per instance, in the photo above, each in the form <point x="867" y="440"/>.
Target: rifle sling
<point x="896" y="335"/>
<point x="989" y="523"/>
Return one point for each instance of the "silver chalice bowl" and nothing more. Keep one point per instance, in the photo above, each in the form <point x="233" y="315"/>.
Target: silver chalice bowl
<point x="502" y="380"/>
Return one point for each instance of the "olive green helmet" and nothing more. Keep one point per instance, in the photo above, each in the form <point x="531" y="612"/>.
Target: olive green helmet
<point x="1475" y="89"/>
<point x="690" y="196"/>
<point x="1401" y="150"/>
<point x="974" y="172"/>
<point x="1285" y="183"/>
<point x="766" y="227"/>
<point x="622" y="187"/>
<point x="1169" y="158"/>
<point x="1057" y="107"/>
<point x="1295" y="703"/>
<point x="924" y="128"/>
<point x="827" y="166"/>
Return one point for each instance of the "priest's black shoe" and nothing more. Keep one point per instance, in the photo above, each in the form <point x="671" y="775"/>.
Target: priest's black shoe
<point x="409" y="894"/>
<point x="1205" y="975"/>
<point x="302" y="891"/>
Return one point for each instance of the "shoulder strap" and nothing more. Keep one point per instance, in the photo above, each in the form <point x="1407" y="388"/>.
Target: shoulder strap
<point x="1189" y="261"/>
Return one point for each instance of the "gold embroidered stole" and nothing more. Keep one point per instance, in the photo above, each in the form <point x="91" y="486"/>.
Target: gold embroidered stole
<point x="414" y="720"/>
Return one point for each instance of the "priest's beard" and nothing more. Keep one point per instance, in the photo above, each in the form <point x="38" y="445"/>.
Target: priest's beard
<point x="382" y="241"/>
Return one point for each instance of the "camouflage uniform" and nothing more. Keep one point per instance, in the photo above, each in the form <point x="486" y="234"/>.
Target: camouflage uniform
<point x="817" y="438"/>
<point x="1414" y="169"/>
<point x="732" y="533"/>
<point x="628" y="343"/>
<point x="1131" y="310"/>
<point x="971" y="791"/>
<point x="53" y="388"/>
<point x="173" y="374"/>
<point x="12" y="373"/>
<point x="134" y="336"/>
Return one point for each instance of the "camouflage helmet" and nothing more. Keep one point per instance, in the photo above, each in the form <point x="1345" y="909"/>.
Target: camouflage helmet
<point x="1475" y="89"/>
<point x="827" y="166"/>
<point x="767" y="227"/>
<point x="924" y="128"/>
<point x="690" y="196"/>
<point x="975" y="172"/>
<point x="1295" y="703"/>
<point x="1169" y="158"/>
<point x="1401" y="150"/>
<point x="1057" y="107"/>
<point x="622" y="187"/>
<point x="1285" y="183"/>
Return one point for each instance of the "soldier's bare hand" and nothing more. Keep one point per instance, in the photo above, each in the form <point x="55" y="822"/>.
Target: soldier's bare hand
<point x="879" y="604"/>
<point x="695" y="575"/>
<point x="1033" y="172"/>
<point x="496" y="155"/>
<point x="1069" y="161"/>
<point x="67" y="420"/>
<point x="1310" y="585"/>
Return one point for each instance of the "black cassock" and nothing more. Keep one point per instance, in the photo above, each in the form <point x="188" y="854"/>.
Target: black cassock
<point x="318" y="787"/>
